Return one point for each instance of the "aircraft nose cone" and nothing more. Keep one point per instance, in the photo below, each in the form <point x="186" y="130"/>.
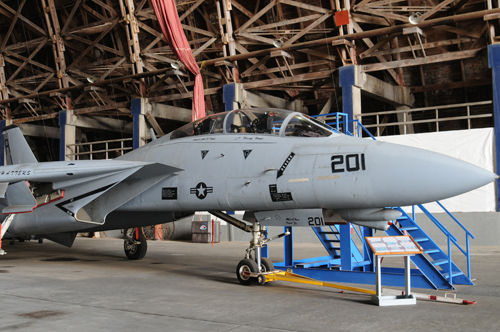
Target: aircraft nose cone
<point x="425" y="176"/>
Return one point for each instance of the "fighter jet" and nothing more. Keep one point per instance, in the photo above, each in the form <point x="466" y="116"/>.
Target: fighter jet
<point x="282" y="168"/>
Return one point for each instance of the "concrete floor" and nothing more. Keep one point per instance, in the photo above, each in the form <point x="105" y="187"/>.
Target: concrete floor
<point x="192" y="287"/>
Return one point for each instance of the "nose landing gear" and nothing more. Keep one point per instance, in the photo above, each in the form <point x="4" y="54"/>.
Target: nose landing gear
<point x="252" y="269"/>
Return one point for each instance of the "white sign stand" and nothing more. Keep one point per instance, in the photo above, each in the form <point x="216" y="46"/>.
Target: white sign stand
<point x="395" y="246"/>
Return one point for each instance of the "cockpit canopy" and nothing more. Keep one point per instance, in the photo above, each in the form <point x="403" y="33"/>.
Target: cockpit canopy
<point x="255" y="121"/>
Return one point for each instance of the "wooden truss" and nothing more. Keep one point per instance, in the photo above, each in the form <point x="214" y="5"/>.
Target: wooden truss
<point x="93" y="56"/>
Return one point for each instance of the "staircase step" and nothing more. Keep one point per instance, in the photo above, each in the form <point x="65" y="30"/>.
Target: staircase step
<point x="328" y="232"/>
<point x="421" y="239"/>
<point x="336" y="241"/>
<point x="454" y="274"/>
<point x="440" y="262"/>
<point x="431" y="251"/>
<point x="410" y="228"/>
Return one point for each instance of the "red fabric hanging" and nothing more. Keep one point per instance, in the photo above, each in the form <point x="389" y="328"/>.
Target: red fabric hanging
<point x="166" y="13"/>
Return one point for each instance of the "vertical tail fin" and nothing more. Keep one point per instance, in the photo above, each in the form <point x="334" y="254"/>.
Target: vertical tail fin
<point x="17" y="150"/>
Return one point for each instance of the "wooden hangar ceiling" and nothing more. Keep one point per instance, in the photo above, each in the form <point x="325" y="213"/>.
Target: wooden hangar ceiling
<point x="93" y="56"/>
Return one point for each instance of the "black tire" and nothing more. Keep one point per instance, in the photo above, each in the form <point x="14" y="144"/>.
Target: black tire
<point x="246" y="265"/>
<point x="136" y="249"/>
<point x="267" y="264"/>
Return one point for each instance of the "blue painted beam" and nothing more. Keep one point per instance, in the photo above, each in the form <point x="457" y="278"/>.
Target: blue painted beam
<point x="288" y="246"/>
<point x="346" y="81"/>
<point x="62" y="134"/>
<point x="2" y="143"/>
<point x="494" y="63"/>
<point x="367" y="253"/>
<point x="345" y="247"/>
<point x="229" y="96"/>
<point x="135" y="107"/>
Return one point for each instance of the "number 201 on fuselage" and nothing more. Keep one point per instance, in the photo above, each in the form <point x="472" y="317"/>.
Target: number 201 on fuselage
<point x="348" y="163"/>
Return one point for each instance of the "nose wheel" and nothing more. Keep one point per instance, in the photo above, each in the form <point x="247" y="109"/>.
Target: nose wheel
<point x="252" y="269"/>
<point x="134" y="243"/>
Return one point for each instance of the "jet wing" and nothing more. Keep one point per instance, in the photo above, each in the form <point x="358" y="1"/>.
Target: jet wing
<point x="96" y="210"/>
<point x="81" y="183"/>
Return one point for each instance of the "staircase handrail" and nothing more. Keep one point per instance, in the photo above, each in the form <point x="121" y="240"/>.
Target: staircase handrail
<point x="443" y="229"/>
<point x="345" y="120"/>
<point x="436" y="222"/>
<point x="362" y="128"/>
<point x="456" y="220"/>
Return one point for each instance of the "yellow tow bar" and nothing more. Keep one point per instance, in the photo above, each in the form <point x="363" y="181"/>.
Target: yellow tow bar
<point x="292" y="277"/>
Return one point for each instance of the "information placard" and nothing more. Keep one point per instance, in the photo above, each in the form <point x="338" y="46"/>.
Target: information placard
<point x="393" y="245"/>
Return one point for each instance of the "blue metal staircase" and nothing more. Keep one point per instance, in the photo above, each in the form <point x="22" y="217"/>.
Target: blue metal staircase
<point x="346" y="262"/>
<point x="434" y="263"/>
<point x="330" y="238"/>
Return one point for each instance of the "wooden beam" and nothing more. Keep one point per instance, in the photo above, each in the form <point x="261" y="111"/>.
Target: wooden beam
<point x="22" y="18"/>
<point x="307" y="29"/>
<point x="185" y="95"/>
<point x="40" y="131"/>
<point x="169" y="112"/>
<point x="256" y="16"/>
<point x="451" y="56"/>
<point x="306" y="6"/>
<point x="356" y="36"/>
<point x="292" y="79"/>
<point x="429" y="45"/>
<point x="12" y="24"/>
<point x="434" y="10"/>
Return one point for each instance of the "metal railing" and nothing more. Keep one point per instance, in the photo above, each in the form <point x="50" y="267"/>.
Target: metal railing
<point x="404" y="118"/>
<point x="451" y="239"/>
<point x="99" y="149"/>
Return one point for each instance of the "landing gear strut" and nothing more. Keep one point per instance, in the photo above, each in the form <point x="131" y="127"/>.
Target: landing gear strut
<point x="253" y="267"/>
<point x="134" y="243"/>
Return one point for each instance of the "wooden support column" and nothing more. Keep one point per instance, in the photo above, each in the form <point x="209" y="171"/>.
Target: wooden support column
<point x="127" y="8"/>
<point x="227" y="7"/>
<point x="4" y="92"/>
<point x="405" y="117"/>
<point x="58" y="49"/>
<point x="353" y="80"/>
<point x="67" y="134"/>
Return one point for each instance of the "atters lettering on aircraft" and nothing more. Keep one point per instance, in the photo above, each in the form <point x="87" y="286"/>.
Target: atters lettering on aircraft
<point x="201" y="190"/>
<point x="203" y="154"/>
<point x="279" y="197"/>
<point x="17" y="172"/>
<point x="285" y="164"/>
<point x="246" y="153"/>
<point x="169" y="193"/>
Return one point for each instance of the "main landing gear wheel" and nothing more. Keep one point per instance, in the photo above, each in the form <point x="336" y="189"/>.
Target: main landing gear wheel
<point x="244" y="268"/>
<point x="134" y="243"/>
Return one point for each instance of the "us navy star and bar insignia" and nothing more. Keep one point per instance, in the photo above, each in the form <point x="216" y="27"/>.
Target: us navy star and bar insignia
<point x="201" y="190"/>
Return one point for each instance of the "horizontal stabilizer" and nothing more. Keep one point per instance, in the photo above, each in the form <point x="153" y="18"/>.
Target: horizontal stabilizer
<point x="3" y="189"/>
<point x="18" y="198"/>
